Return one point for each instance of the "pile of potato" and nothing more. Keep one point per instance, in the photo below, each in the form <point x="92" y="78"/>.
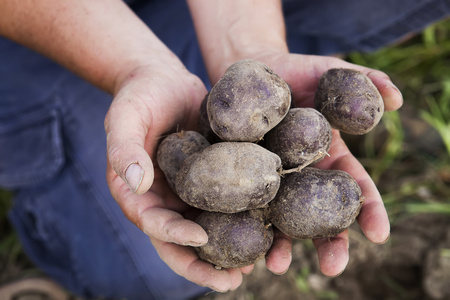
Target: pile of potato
<point x="249" y="167"/>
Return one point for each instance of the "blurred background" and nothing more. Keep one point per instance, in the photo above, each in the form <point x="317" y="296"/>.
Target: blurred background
<point x="407" y="155"/>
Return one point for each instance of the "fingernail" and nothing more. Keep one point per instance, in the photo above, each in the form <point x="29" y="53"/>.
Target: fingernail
<point x="194" y="243"/>
<point x="133" y="176"/>
<point x="337" y="275"/>
<point x="386" y="240"/>
<point x="393" y="86"/>
<point x="281" y="273"/>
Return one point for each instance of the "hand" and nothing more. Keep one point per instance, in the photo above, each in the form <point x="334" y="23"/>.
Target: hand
<point x="150" y="103"/>
<point x="146" y="106"/>
<point x="232" y="30"/>
<point x="302" y="73"/>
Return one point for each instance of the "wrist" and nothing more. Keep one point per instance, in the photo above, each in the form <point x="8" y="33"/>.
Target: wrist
<point x="162" y="64"/>
<point x="232" y="30"/>
<point x="260" y="51"/>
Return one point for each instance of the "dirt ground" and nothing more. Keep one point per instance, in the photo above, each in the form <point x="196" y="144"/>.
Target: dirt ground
<point x="413" y="264"/>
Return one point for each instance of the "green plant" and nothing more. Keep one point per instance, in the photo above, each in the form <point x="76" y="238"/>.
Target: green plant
<point x="438" y="115"/>
<point x="302" y="283"/>
<point x="392" y="147"/>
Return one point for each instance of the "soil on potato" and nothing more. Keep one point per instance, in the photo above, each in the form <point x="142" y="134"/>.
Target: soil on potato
<point x="409" y="266"/>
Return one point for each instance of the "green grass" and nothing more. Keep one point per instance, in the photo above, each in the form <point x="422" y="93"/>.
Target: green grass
<point x="438" y="115"/>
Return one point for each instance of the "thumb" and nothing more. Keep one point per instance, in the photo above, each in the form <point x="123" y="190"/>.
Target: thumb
<point x="127" y="124"/>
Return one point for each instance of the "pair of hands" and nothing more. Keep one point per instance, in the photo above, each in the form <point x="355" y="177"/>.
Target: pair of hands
<point x="103" y="41"/>
<point x="152" y="101"/>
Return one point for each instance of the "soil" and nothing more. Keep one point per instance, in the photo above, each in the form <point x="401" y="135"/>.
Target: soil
<point x="413" y="264"/>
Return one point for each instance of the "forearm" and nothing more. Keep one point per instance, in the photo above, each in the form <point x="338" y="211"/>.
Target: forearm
<point x="229" y="30"/>
<point x="99" y="40"/>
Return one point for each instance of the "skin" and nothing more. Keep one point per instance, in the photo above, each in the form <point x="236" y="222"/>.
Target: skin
<point x="105" y="43"/>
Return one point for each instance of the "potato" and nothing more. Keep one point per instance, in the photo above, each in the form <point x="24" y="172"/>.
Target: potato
<point x="315" y="203"/>
<point x="349" y="100"/>
<point x="229" y="177"/>
<point x="174" y="149"/>
<point x="302" y="138"/>
<point x="235" y="240"/>
<point x="205" y="127"/>
<point x="247" y="101"/>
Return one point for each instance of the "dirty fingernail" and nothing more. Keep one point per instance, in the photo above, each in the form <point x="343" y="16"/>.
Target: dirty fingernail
<point x="133" y="176"/>
<point x="194" y="243"/>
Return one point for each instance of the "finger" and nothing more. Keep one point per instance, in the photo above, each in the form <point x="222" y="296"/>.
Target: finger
<point x="392" y="97"/>
<point x="333" y="254"/>
<point x="247" y="270"/>
<point x="373" y="218"/>
<point x="169" y="226"/>
<point x="185" y="262"/>
<point x="126" y="126"/>
<point x="279" y="257"/>
<point x="149" y="213"/>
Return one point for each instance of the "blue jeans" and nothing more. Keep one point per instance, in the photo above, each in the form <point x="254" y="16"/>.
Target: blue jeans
<point x="52" y="143"/>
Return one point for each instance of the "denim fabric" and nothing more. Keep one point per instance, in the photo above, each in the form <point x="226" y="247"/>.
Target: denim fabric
<point x="52" y="142"/>
<point x="327" y="27"/>
<point x="39" y="131"/>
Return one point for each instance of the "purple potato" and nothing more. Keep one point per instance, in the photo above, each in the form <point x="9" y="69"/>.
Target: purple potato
<point x="302" y="138"/>
<point x="174" y="149"/>
<point x="235" y="240"/>
<point x="349" y="100"/>
<point x="229" y="177"/>
<point x="247" y="101"/>
<point x="205" y="127"/>
<point x="315" y="203"/>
